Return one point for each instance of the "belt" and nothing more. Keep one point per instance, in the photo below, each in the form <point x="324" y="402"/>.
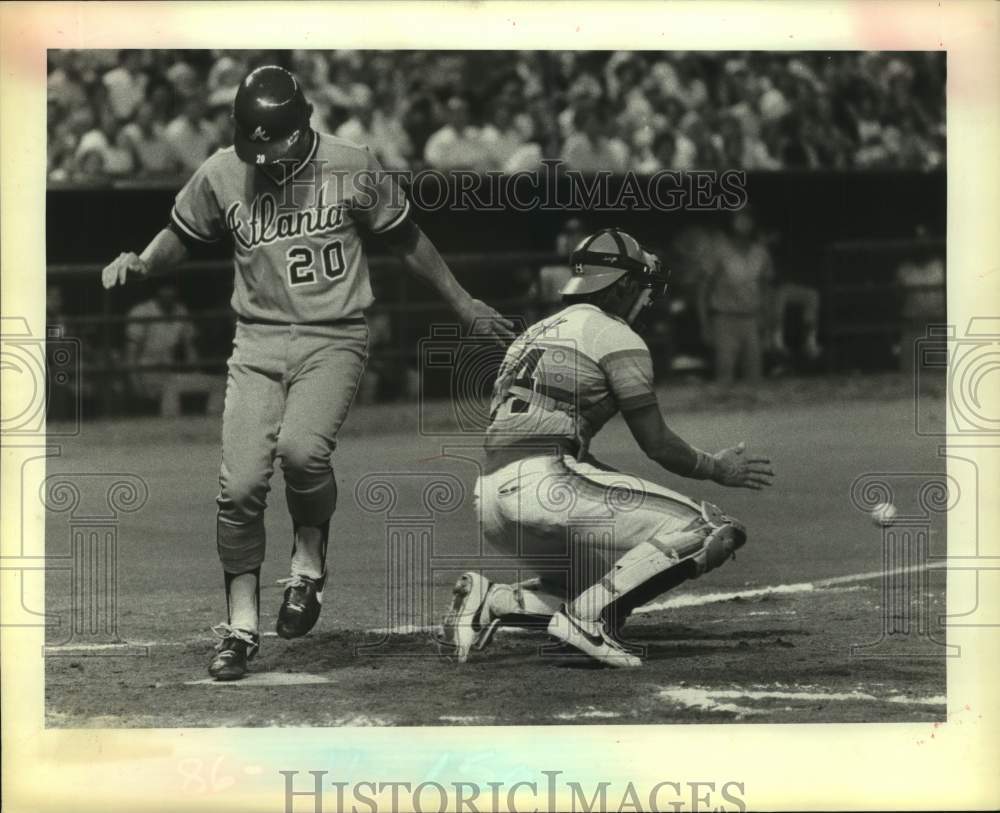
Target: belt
<point x="350" y="320"/>
<point x="547" y="446"/>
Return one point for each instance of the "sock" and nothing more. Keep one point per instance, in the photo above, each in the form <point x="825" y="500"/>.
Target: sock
<point x="309" y="550"/>
<point x="243" y="600"/>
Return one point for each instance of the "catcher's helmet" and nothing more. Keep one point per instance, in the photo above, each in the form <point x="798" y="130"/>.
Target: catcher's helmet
<point x="270" y="113"/>
<point x="603" y="258"/>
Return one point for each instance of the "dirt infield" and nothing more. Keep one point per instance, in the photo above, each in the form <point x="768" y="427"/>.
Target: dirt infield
<point x="792" y="631"/>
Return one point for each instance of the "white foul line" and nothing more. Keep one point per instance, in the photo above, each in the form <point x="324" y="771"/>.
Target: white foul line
<point x="699" y="599"/>
<point x="677" y="602"/>
<point x="708" y="699"/>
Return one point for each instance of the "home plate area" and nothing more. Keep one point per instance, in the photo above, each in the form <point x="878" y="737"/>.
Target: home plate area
<point x="802" y="656"/>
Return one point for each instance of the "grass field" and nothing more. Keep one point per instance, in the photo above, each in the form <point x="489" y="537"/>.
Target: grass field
<point x="765" y="638"/>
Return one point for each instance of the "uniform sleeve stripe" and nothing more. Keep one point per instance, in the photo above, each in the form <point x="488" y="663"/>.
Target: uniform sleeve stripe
<point x="175" y="216"/>
<point x="396" y="220"/>
<point x="637" y="401"/>
<point x="620" y="355"/>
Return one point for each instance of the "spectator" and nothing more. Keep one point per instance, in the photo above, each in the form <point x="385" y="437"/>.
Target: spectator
<point x="732" y="304"/>
<point x="62" y="145"/>
<point x="103" y="152"/>
<point x="126" y="84"/>
<point x="707" y="154"/>
<point x="583" y="94"/>
<point x="120" y="159"/>
<point x="502" y="136"/>
<point x="674" y="150"/>
<point x="644" y="159"/>
<point x="590" y="149"/>
<point x="64" y="83"/>
<point x="458" y="145"/>
<point x="155" y="156"/>
<point x="88" y="168"/>
<point x="160" y="333"/>
<point x="924" y="300"/>
<point x="418" y="120"/>
<point x="773" y="103"/>
<point x="161" y="99"/>
<point x="190" y="136"/>
<point x="220" y="122"/>
<point x="740" y="149"/>
<point x="184" y="80"/>
<point x="225" y="75"/>
<point x="372" y="128"/>
<point x="100" y="138"/>
<point x="689" y="87"/>
<point x="661" y="153"/>
<point x="789" y="295"/>
<point x="745" y="111"/>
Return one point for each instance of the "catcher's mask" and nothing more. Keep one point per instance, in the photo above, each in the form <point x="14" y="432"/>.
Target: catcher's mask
<point x="607" y="256"/>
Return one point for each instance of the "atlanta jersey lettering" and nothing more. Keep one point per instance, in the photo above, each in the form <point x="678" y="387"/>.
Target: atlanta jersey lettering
<point x="298" y="252"/>
<point x="563" y="378"/>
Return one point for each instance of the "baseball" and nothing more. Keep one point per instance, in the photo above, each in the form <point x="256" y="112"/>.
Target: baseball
<point x="884" y="514"/>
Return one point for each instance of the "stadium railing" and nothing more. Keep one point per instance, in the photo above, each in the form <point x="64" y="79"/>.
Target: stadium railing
<point x="864" y="303"/>
<point x="410" y="313"/>
<point x="861" y="311"/>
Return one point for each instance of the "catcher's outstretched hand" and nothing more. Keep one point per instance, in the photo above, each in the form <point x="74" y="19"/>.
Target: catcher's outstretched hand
<point x="734" y="467"/>
<point x="114" y="273"/>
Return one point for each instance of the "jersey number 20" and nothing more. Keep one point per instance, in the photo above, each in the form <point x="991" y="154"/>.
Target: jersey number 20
<point x="301" y="262"/>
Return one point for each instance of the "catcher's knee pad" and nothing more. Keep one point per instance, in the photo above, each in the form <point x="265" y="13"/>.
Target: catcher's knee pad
<point x="725" y="537"/>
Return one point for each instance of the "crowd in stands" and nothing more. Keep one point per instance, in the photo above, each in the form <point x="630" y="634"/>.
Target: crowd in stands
<point x="156" y="114"/>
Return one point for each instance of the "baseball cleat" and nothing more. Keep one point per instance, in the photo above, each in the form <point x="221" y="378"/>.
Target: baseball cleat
<point x="591" y="638"/>
<point x="469" y="623"/>
<point x="301" y="605"/>
<point x="232" y="653"/>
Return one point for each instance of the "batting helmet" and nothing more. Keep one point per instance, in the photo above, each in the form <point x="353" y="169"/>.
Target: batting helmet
<point x="603" y="258"/>
<point x="270" y="114"/>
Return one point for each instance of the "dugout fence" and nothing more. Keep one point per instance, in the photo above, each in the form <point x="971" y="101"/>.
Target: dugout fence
<point x="876" y="297"/>
<point x="879" y="297"/>
<point x="838" y="232"/>
<point x="405" y="312"/>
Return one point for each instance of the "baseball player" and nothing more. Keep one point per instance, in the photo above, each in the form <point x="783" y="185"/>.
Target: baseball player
<point x="601" y="542"/>
<point x="296" y="205"/>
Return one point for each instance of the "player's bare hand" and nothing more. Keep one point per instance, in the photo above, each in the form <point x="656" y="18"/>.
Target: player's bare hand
<point x="117" y="270"/>
<point x="482" y="320"/>
<point x="737" y="468"/>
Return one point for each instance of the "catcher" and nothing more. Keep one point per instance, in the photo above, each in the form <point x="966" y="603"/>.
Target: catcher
<point x="601" y="542"/>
